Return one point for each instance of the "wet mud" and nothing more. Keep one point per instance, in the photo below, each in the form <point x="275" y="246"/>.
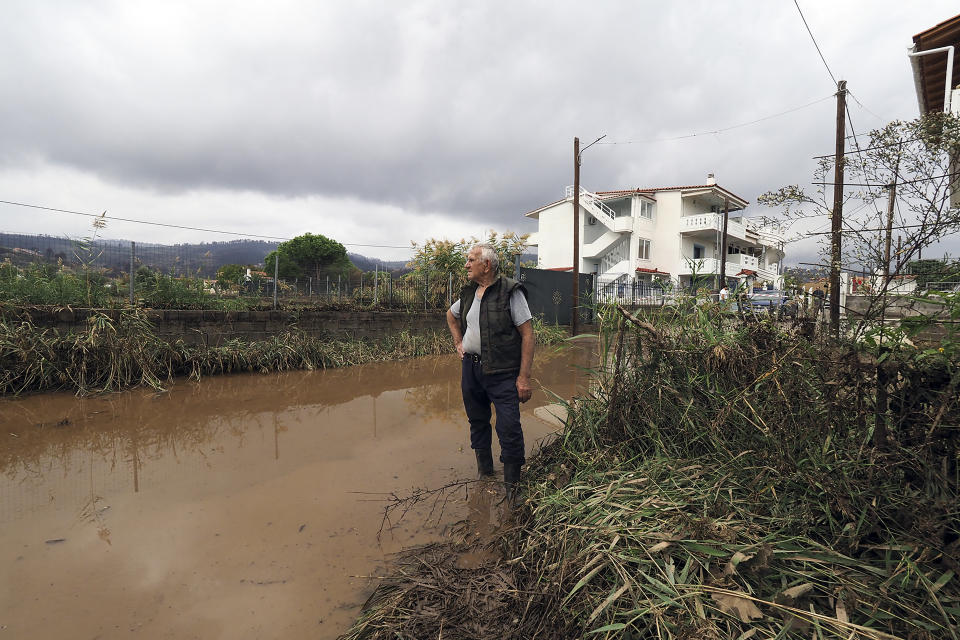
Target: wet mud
<point x="247" y="506"/>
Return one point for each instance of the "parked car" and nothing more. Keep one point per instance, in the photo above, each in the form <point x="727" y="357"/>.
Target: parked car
<point x="773" y="301"/>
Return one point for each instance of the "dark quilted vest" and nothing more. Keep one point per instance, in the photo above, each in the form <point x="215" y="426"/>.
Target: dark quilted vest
<point x="499" y="339"/>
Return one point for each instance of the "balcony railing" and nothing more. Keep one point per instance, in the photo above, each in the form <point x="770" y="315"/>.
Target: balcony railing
<point x="743" y="260"/>
<point x="711" y="222"/>
<point x="735" y="262"/>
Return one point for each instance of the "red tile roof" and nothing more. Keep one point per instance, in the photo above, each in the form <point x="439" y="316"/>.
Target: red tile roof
<point x="645" y="191"/>
<point x="654" y="271"/>
<point x="648" y="193"/>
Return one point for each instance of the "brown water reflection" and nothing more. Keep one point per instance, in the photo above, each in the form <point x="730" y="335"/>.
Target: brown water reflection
<point x="229" y="508"/>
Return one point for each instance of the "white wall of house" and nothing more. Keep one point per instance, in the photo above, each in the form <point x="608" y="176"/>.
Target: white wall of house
<point x="671" y="240"/>
<point x="555" y="236"/>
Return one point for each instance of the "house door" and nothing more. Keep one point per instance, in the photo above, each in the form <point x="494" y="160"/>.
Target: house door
<point x="698" y="251"/>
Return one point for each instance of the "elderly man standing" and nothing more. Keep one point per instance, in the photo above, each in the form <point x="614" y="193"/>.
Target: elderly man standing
<point x="493" y="332"/>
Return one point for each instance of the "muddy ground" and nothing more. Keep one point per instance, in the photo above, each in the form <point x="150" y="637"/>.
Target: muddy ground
<point x="236" y="507"/>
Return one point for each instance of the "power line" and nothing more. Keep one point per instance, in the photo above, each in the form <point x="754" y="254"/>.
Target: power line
<point x="864" y="107"/>
<point x="718" y="131"/>
<point x="879" y="146"/>
<point x="815" y="42"/>
<point x="899" y="226"/>
<point x="902" y="182"/>
<point x="177" y="226"/>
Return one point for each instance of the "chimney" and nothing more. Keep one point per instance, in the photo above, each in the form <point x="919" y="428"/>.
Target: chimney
<point x="711" y="179"/>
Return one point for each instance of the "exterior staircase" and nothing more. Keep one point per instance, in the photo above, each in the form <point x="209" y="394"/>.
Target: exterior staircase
<point x="600" y="246"/>
<point x="593" y="205"/>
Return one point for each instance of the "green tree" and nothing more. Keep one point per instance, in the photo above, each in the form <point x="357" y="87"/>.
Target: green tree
<point x="439" y="256"/>
<point x="229" y="275"/>
<point x="928" y="271"/>
<point x="309" y="255"/>
<point x="448" y="256"/>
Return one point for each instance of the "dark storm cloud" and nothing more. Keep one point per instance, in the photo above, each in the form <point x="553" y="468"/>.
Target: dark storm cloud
<point x="457" y="108"/>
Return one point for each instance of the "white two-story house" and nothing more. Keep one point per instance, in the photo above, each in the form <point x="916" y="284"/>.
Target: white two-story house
<point x="670" y="233"/>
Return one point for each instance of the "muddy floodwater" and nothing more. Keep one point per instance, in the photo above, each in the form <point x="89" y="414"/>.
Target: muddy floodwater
<point x="241" y="506"/>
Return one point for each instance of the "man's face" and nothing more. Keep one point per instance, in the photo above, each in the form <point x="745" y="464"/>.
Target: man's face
<point x="475" y="266"/>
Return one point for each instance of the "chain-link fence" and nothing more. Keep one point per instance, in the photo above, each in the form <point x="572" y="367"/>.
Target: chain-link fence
<point x="219" y="275"/>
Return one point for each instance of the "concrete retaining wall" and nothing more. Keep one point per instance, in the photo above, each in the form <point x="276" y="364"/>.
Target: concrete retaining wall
<point x="898" y="307"/>
<point x="216" y="327"/>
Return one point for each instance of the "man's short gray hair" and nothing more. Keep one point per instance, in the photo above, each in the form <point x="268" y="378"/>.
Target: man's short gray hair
<point x="489" y="254"/>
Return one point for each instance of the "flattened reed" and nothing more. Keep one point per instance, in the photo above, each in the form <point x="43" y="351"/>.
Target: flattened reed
<point x="722" y="481"/>
<point x="113" y="355"/>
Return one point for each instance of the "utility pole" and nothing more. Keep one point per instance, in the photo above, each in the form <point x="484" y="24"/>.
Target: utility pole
<point x="133" y="255"/>
<point x="836" y="216"/>
<point x="723" y="245"/>
<point x="575" y="320"/>
<point x="889" y="239"/>
<point x="276" y="272"/>
<point x="883" y="376"/>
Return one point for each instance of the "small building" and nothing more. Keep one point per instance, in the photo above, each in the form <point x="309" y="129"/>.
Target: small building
<point x="664" y="233"/>
<point x="936" y="76"/>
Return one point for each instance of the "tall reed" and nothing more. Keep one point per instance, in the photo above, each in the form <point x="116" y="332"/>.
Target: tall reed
<point x="720" y="480"/>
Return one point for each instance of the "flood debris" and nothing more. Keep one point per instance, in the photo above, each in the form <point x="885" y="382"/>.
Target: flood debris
<point x="719" y="481"/>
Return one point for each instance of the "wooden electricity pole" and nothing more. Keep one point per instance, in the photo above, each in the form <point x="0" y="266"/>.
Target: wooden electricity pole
<point x="575" y="304"/>
<point x="723" y="245"/>
<point x="836" y="217"/>
<point x="889" y="236"/>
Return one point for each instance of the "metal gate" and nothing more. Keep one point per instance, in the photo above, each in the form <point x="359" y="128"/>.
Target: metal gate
<point x="549" y="294"/>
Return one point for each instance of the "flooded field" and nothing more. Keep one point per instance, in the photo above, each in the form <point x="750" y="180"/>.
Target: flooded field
<point x="237" y="507"/>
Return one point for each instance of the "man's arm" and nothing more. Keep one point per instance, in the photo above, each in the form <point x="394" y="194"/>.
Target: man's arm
<point x="454" y="325"/>
<point x="524" y="390"/>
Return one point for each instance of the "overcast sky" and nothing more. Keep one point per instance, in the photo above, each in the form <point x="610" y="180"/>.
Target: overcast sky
<point x="382" y="123"/>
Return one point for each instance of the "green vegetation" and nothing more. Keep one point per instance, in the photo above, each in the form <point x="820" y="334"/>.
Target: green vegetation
<point x="309" y="255"/>
<point x="52" y="284"/>
<point x="110" y="356"/>
<point x="721" y="481"/>
<point x="449" y="256"/>
<point x="934" y="271"/>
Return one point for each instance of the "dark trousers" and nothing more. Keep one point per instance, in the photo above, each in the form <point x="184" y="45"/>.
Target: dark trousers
<point x="479" y="392"/>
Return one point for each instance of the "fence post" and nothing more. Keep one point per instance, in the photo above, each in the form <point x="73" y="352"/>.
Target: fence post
<point x="390" y="289"/>
<point x="310" y="286"/>
<point x="426" y="290"/>
<point x="449" y="289"/>
<point x="376" y="283"/>
<point x="339" y="295"/>
<point x="133" y="254"/>
<point x="276" y="271"/>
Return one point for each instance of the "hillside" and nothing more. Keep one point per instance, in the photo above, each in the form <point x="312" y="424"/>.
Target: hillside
<point x="202" y="258"/>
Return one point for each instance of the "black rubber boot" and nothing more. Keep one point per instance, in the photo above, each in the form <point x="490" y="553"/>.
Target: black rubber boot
<point x="484" y="462"/>
<point x="511" y="478"/>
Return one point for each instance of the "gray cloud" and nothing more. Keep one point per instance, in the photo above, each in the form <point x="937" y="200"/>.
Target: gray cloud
<point x="462" y="109"/>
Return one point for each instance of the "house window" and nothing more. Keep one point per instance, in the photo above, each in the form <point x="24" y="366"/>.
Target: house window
<point x="620" y="207"/>
<point x="646" y="209"/>
<point x="698" y="251"/>
<point x="643" y="250"/>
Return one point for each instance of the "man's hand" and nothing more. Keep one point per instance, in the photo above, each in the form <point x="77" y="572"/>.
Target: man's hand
<point x="524" y="389"/>
<point x="460" y="349"/>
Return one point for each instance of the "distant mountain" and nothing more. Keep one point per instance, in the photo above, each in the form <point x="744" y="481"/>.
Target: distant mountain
<point x="807" y="274"/>
<point x="369" y="264"/>
<point x="201" y="259"/>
